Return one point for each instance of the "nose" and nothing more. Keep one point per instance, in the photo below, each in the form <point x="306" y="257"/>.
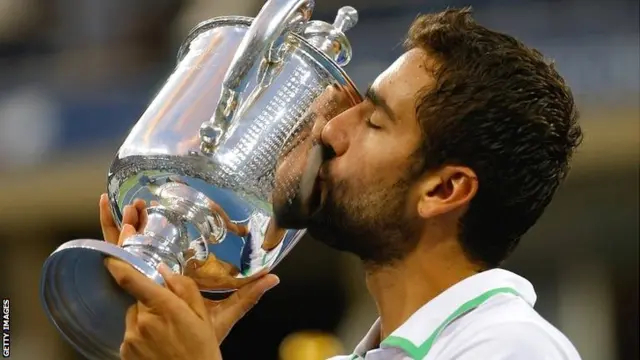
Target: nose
<point x="335" y="133"/>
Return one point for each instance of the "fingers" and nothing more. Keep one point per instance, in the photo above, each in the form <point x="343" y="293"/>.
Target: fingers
<point x="138" y="285"/>
<point x="216" y="274"/>
<point x="127" y="231"/>
<point x="110" y="231"/>
<point x="134" y="214"/>
<point x="185" y="288"/>
<point x="131" y="317"/>
<point x="247" y="296"/>
<point x="128" y="349"/>
<point x="240" y="230"/>
<point x="140" y="208"/>
<point x="240" y="302"/>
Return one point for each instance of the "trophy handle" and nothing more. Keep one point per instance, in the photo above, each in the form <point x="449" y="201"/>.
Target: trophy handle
<point x="273" y="20"/>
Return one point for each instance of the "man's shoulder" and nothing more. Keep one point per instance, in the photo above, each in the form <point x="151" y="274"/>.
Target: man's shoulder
<point x="513" y="340"/>
<point x="505" y="329"/>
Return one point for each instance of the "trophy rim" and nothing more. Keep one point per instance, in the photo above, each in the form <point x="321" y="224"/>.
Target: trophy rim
<point x="329" y="64"/>
<point x="57" y="301"/>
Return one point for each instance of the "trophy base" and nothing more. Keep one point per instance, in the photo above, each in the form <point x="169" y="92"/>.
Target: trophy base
<point x="82" y="299"/>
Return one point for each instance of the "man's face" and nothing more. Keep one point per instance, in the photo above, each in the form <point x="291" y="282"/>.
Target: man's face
<point x="367" y="203"/>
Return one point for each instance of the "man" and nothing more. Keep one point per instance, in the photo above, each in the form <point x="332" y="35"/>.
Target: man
<point x="432" y="181"/>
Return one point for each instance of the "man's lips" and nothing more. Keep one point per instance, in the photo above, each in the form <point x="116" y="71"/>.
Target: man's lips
<point x="319" y="189"/>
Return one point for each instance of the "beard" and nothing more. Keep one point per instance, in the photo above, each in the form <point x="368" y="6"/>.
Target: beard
<point x="369" y="221"/>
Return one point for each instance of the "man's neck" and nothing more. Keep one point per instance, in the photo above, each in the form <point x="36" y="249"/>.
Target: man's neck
<point x="402" y="288"/>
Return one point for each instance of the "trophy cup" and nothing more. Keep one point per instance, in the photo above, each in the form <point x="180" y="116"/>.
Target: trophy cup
<point x="226" y="156"/>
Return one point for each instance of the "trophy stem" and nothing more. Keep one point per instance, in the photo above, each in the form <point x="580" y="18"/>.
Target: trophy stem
<point x="165" y="239"/>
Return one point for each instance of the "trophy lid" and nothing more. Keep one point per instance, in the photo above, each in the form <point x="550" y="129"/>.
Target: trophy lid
<point x="265" y="42"/>
<point x="331" y="38"/>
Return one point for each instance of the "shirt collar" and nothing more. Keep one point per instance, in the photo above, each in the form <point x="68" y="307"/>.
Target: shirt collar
<point x="424" y="322"/>
<point x="370" y="341"/>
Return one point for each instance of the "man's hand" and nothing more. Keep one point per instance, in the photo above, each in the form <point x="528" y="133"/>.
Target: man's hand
<point x="167" y="322"/>
<point x="134" y="215"/>
<point x="222" y="315"/>
<point x="208" y="274"/>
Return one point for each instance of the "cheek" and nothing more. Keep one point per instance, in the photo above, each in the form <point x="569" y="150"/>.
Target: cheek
<point x="369" y="164"/>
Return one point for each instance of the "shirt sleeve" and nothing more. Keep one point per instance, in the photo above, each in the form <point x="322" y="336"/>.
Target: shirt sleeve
<point x="512" y="341"/>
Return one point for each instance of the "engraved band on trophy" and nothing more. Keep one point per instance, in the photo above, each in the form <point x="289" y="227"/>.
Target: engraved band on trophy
<point x="226" y="158"/>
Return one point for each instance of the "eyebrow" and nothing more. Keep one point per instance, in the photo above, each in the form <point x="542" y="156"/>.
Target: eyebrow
<point x="379" y="102"/>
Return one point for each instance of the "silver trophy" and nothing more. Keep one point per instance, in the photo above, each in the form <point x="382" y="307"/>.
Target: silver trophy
<point x="226" y="157"/>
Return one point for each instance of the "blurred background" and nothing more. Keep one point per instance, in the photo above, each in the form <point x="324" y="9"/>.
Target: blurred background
<point x="76" y="74"/>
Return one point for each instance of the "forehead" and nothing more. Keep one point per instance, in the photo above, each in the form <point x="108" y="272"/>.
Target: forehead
<point x="400" y="83"/>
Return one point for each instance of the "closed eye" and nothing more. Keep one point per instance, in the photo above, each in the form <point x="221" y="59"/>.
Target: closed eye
<point x="372" y="125"/>
<point x="379" y="102"/>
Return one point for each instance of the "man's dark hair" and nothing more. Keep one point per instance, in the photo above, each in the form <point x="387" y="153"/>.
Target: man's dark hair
<point x="500" y="109"/>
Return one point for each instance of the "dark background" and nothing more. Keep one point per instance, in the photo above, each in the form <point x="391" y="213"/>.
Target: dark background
<point x="76" y="74"/>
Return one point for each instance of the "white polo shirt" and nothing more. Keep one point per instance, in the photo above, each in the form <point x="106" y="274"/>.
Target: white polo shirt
<point x="488" y="316"/>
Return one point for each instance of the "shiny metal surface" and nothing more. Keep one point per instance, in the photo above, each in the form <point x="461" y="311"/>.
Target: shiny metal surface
<point x="260" y="41"/>
<point x="226" y="213"/>
<point x="330" y="39"/>
<point x="82" y="300"/>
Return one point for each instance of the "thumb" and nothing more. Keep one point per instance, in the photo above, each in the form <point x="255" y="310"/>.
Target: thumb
<point x="232" y="309"/>
<point x="127" y="231"/>
<point x="185" y="288"/>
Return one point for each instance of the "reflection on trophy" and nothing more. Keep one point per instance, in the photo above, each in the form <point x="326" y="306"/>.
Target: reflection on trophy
<point x="227" y="157"/>
<point x="295" y="192"/>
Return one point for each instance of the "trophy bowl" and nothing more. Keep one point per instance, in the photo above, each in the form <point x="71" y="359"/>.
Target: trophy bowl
<point x="226" y="157"/>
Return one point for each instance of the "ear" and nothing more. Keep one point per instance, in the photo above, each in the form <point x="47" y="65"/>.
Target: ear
<point x="445" y="190"/>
